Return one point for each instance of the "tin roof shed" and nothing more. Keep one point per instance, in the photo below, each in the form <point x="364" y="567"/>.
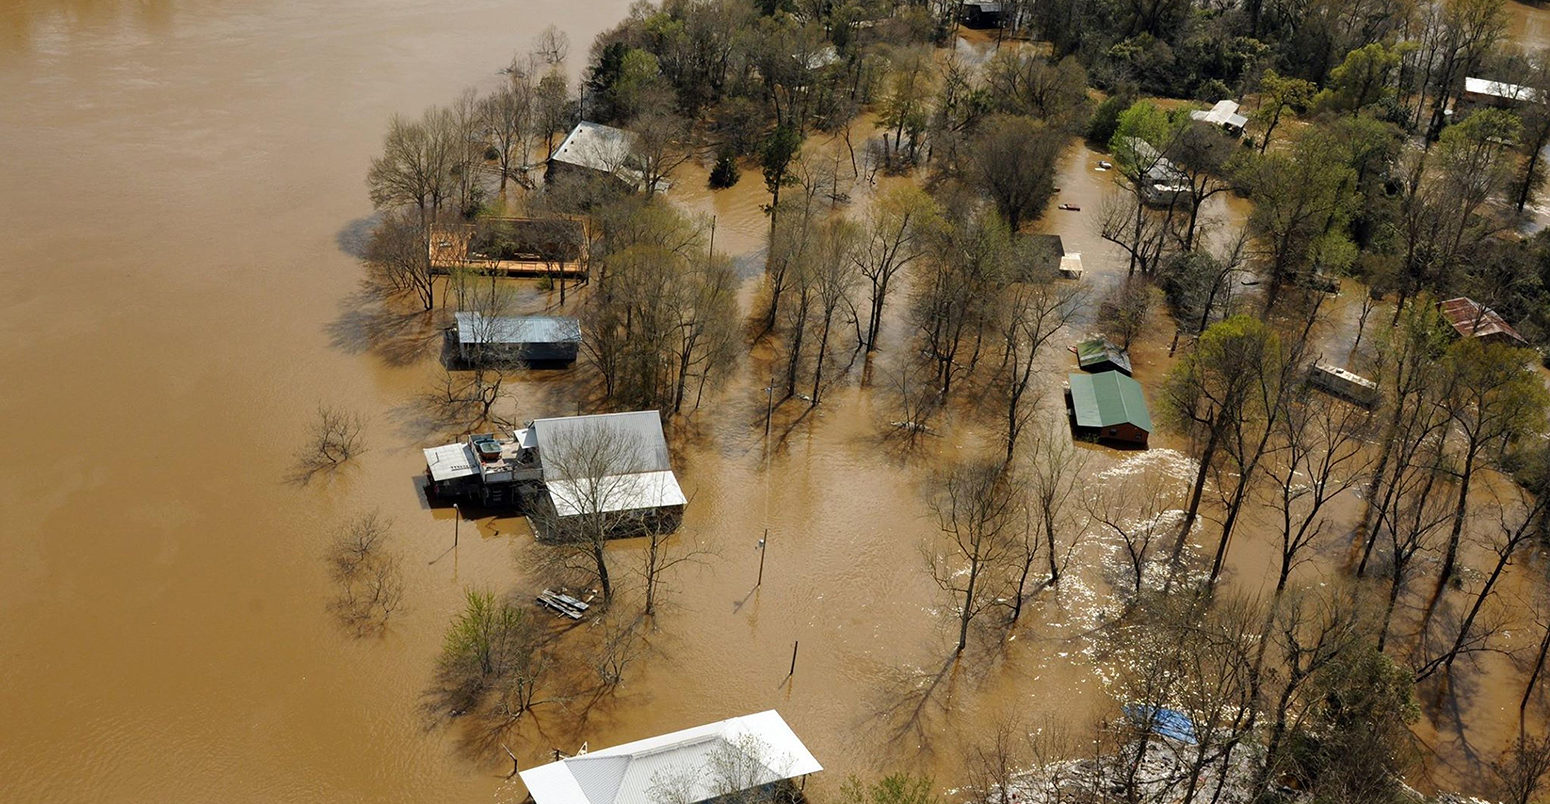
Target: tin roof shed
<point x="474" y="327"/>
<point x="1099" y="354"/>
<point x="1108" y="399"/>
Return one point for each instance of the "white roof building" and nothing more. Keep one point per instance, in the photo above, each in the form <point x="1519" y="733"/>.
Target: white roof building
<point x="596" y="147"/>
<point x="636" y="475"/>
<point x="1224" y="114"/>
<point x="1499" y="89"/>
<point x="695" y="764"/>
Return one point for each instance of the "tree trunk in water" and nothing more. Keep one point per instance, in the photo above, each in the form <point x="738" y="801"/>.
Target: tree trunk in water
<point x="1450" y="559"/>
<point x="1194" y="499"/>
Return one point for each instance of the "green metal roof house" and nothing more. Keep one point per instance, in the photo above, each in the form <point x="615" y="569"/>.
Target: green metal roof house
<point x="1100" y="355"/>
<point x="1110" y="407"/>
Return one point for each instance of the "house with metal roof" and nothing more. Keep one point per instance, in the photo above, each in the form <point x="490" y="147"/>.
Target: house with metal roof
<point x="534" y="341"/>
<point x="1162" y="181"/>
<point x="593" y="149"/>
<point x="1223" y="115"/>
<point x="1108" y="407"/>
<point x="1471" y="319"/>
<point x="1485" y="92"/>
<point x="1099" y="354"/>
<point x="711" y="763"/>
<point x="612" y="465"/>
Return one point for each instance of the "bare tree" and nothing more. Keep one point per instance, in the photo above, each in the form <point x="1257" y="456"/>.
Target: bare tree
<point x="897" y="226"/>
<point x="1054" y="474"/>
<point x="977" y="513"/>
<point x="398" y="258"/>
<point x="660" y="146"/>
<point x="1139" y="518"/>
<point x="333" y="439"/>
<point x="834" y="278"/>
<point x="591" y="474"/>
<point x="1522" y="770"/>
<point x="1030" y="314"/>
<point x="370" y="583"/>
<point x="506" y="116"/>
<point x="1126" y="309"/>
<point x="659" y="560"/>
<point x="1321" y="447"/>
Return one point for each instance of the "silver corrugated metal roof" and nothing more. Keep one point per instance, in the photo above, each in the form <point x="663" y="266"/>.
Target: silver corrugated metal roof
<point x="474" y="327"/>
<point x="596" y="147"/>
<point x="450" y="461"/>
<point x="632" y="492"/>
<point x="642" y="427"/>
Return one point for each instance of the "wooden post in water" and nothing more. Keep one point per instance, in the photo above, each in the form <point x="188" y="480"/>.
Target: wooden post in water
<point x="457" y="522"/>
<point x="793" y="671"/>
<point x="763" y="546"/>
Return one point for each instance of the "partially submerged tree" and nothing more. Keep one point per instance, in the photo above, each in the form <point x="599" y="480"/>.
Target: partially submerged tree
<point x="978" y="513"/>
<point x="492" y="659"/>
<point x="333" y="439"/>
<point x="370" y="582"/>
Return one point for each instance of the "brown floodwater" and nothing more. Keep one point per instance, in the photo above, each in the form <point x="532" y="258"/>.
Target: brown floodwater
<point x="183" y="184"/>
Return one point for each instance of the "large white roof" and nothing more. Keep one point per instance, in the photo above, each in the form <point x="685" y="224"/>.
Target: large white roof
<point x="1224" y="113"/>
<point x="597" y="147"/>
<point x="692" y="764"/>
<point x="1500" y="89"/>
<point x="615" y="493"/>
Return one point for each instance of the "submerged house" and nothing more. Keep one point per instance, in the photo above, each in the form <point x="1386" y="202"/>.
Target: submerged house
<point x="1099" y="354"/>
<point x="1471" y="319"/>
<point x="534" y="341"/>
<point x="611" y="467"/>
<point x="1109" y="407"/>
<point x="1223" y="115"/>
<point x="594" y="150"/>
<point x="1485" y="92"/>
<point x="1345" y="384"/>
<point x="684" y="766"/>
<point x="1163" y="182"/>
<point x="982" y="14"/>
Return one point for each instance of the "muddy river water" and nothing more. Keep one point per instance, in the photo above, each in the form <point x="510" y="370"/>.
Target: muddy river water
<point x="180" y="184"/>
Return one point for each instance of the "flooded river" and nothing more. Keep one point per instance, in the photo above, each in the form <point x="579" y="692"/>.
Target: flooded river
<point x="182" y="182"/>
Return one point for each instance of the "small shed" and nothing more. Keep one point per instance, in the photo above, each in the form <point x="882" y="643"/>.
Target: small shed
<point x="982" y="15"/>
<point x="1345" y="384"/>
<point x="1071" y="265"/>
<point x="1099" y="355"/>
<point x="535" y="341"/>
<point x="1109" y="407"/>
<point x="1223" y="115"/>
<point x="1471" y="319"/>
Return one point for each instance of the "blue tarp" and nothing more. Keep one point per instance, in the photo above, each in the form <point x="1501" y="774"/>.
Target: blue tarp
<point x="1169" y="723"/>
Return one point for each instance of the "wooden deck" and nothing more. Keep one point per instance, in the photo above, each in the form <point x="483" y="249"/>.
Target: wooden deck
<point x="449" y="251"/>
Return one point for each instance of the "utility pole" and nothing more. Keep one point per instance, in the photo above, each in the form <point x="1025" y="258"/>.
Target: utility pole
<point x="457" y="522"/>
<point x="762" y="548"/>
<point x="793" y="671"/>
<point x="769" y="404"/>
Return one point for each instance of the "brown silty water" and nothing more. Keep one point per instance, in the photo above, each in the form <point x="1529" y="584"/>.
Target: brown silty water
<point x="183" y="181"/>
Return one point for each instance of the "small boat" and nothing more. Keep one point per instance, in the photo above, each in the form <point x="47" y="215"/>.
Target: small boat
<point x="1070" y="207"/>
